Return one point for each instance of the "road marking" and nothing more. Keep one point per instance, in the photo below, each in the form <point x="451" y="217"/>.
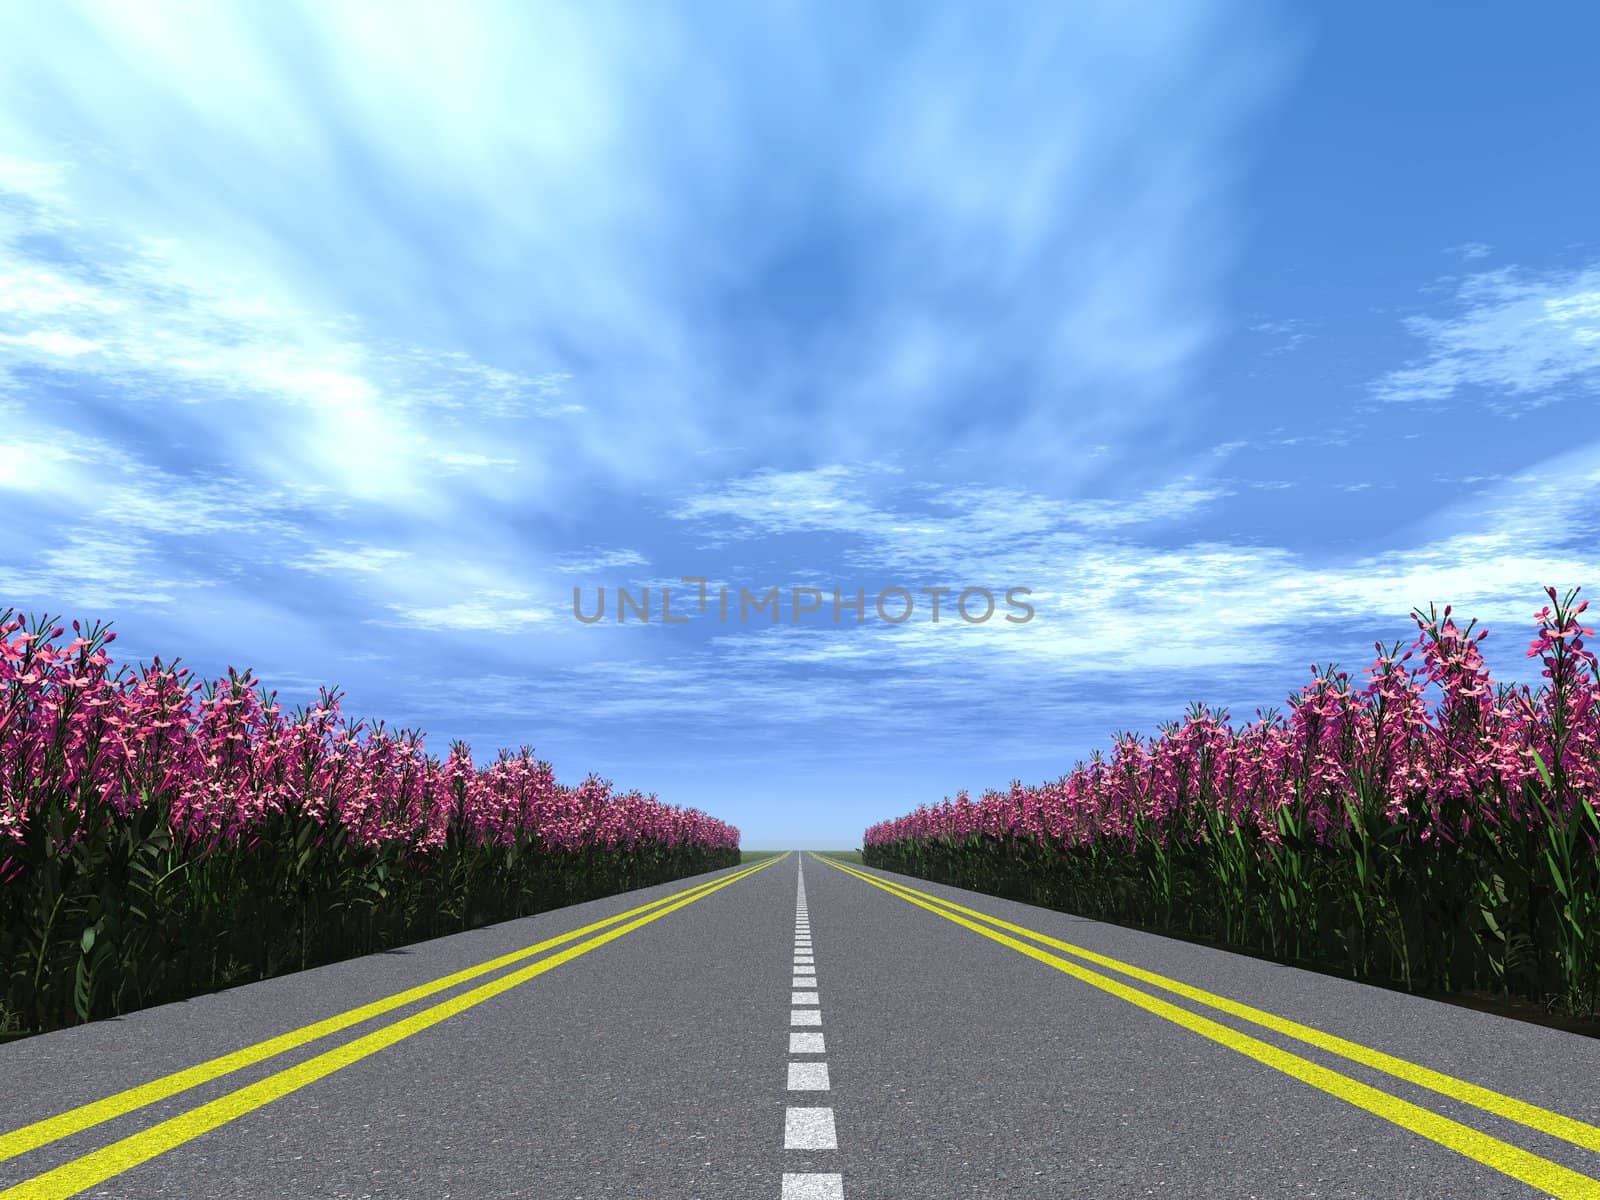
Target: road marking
<point x="86" y="1116"/>
<point x="808" y="1077"/>
<point x="809" y="1129"/>
<point x="812" y="1187"/>
<point x="1541" y="1173"/>
<point x="1557" y="1125"/>
<point x="96" y="1167"/>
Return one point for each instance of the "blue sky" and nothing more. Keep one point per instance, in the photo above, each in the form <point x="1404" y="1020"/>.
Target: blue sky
<point x="344" y="340"/>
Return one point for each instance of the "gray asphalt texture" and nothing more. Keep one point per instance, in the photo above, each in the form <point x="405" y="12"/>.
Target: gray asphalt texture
<point x="654" y="1068"/>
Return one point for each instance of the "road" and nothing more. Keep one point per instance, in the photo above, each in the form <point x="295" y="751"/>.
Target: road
<point x="806" y="1030"/>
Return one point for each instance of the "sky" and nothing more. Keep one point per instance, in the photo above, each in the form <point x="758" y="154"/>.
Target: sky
<point x="345" y="341"/>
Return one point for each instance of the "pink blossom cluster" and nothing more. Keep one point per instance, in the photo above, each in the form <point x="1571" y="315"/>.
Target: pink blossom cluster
<point x="224" y="761"/>
<point x="1479" y="758"/>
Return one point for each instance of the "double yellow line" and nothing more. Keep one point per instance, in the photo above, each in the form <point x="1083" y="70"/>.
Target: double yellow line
<point x="96" y="1167"/>
<point x="1541" y="1173"/>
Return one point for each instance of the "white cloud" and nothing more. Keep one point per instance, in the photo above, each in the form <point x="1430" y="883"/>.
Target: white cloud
<point x="475" y="462"/>
<point x="1292" y="332"/>
<point x="82" y="476"/>
<point x="829" y="499"/>
<point x="1524" y="338"/>
<point x="43" y="467"/>
<point x="303" y="397"/>
<point x="939" y="522"/>
<point x="943" y="215"/>
<point x="1112" y="606"/>
<point x="51" y="342"/>
<point x="89" y="569"/>
<point x="363" y="560"/>
<point x="587" y="561"/>
<point x="488" y="611"/>
<point x="40" y="180"/>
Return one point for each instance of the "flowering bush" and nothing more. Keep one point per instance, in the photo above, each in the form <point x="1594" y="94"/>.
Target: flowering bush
<point x="1446" y="850"/>
<point x="160" y="837"/>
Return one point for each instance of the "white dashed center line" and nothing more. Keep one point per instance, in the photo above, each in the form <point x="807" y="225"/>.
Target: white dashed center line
<point x="808" y="1077"/>
<point x="812" y="1187"/>
<point x="807" y="1128"/>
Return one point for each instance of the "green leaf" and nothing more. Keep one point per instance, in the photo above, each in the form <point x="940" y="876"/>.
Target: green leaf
<point x="87" y="940"/>
<point x="1555" y="874"/>
<point x="1543" y="771"/>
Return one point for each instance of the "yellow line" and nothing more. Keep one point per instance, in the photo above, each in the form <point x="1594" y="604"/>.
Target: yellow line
<point x="1541" y="1173"/>
<point x="100" y="1165"/>
<point x="76" y="1120"/>
<point x="1568" y="1129"/>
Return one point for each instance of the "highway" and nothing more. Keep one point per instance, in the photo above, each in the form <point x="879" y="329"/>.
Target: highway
<point x="802" y="1029"/>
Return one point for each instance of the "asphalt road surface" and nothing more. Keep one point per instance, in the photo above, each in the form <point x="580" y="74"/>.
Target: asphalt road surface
<point x="806" y="1030"/>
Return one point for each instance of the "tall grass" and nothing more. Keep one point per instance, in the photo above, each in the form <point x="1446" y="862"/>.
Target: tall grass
<point x="161" y="837"/>
<point x="1445" y="851"/>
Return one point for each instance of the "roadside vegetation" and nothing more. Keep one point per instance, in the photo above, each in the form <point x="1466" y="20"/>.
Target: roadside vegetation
<point x="1451" y="851"/>
<point x="160" y="838"/>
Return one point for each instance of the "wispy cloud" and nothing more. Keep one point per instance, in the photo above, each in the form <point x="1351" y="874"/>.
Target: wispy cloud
<point x="910" y="520"/>
<point x="824" y="499"/>
<point x="609" y="251"/>
<point x="1125" y="607"/>
<point x="128" y="316"/>
<point x="1516" y="339"/>
<point x="1292" y="334"/>
<point x="363" y="560"/>
<point x="97" y="571"/>
<point x="483" y="612"/>
<point x="587" y="561"/>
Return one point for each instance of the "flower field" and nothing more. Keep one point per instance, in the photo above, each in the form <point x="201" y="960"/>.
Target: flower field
<point x="1446" y="850"/>
<point x="160" y="837"/>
